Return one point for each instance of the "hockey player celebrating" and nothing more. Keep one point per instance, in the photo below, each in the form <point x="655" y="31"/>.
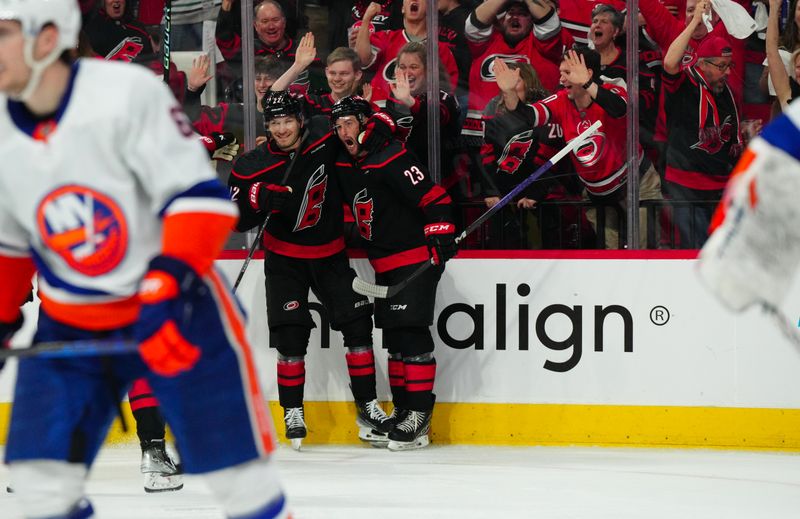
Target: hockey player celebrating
<point x="405" y="221"/>
<point x="753" y="251"/>
<point x="122" y="217"/>
<point x="284" y="184"/>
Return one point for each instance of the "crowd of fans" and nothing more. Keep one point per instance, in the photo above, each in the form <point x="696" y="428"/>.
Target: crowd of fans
<point x="518" y="79"/>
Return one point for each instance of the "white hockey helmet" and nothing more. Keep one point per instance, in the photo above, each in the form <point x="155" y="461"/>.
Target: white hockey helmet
<point x="35" y="14"/>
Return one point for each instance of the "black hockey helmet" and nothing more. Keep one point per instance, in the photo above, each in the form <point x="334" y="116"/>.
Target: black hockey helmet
<point x="351" y="105"/>
<point x="281" y="104"/>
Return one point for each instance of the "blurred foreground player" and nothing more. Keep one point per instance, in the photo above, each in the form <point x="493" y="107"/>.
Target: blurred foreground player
<point x="405" y="220"/>
<point x="753" y="251"/>
<point x="122" y="216"/>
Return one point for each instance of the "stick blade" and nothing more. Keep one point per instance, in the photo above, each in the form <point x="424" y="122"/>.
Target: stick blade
<point x="365" y="288"/>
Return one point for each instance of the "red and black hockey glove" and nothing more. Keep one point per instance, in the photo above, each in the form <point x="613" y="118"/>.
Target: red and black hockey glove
<point x="168" y="293"/>
<point x="221" y="146"/>
<point x="441" y="241"/>
<point x="272" y="198"/>
<point x="378" y="130"/>
<point x="7" y="331"/>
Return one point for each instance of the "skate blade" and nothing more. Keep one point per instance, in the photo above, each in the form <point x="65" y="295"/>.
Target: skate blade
<point x="418" y="443"/>
<point x="297" y="443"/>
<point x="376" y="438"/>
<point x="155" y="483"/>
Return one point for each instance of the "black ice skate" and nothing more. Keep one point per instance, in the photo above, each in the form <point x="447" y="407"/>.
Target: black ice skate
<point x="161" y="473"/>
<point x="294" y="419"/>
<point x="373" y="424"/>
<point x="411" y="432"/>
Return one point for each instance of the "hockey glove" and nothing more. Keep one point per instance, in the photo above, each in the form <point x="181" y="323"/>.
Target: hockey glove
<point x="7" y="331"/>
<point x="378" y="129"/>
<point x="221" y="146"/>
<point x="441" y="241"/>
<point x="168" y="292"/>
<point x="272" y="198"/>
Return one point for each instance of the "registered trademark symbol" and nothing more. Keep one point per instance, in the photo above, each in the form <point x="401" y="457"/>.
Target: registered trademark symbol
<point x="659" y="315"/>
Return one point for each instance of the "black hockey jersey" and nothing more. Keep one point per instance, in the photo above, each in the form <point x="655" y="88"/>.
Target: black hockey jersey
<point x="311" y="224"/>
<point x="392" y="198"/>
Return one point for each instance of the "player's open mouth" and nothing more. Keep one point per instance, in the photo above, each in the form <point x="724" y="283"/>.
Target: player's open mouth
<point x="349" y="142"/>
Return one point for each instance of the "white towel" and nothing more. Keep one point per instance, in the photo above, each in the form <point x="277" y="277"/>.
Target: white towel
<point x="737" y="20"/>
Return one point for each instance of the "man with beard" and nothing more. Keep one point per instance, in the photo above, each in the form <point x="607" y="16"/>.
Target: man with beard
<point x="703" y="128"/>
<point x="405" y="221"/>
<point x="304" y="244"/>
<point x="529" y="32"/>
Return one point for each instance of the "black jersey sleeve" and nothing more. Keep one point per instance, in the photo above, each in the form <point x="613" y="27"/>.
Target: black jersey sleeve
<point x="248" y="169"/>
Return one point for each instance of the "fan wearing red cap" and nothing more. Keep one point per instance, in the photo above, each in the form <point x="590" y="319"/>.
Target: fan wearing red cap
<point x="703" y="127"/>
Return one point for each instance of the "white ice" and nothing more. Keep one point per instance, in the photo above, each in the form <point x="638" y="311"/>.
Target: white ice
<point x="480" y="483"/>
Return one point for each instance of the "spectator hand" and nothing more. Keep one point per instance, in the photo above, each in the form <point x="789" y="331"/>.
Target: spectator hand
<point x="491" y="201"/>
<point x="272" y="198"/>
<point x="7" y="331"/>
<point x="168" y="293"/>
<point x="526" y="203"/>
<point x="577" y="73"/>
<point x="378" y="129"/>
<point x="401" y="89"/>
<point x="441" y="241"/>
<point x="306" y="51"/>
<point x="506" y="78"/>
<point x="366" y="91"/>
<point x="373" y="9"/>
<point x="198" y="74"/>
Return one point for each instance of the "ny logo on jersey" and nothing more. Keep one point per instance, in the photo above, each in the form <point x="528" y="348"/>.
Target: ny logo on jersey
<point x="311" y="208"/>
<point x="515" y="152"/>
<point x="363" y="208"/>
<point x="86" y="228"/>
<point x="487" y="66"/>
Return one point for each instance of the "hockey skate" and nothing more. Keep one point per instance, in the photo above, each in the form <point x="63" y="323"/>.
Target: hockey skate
<point x="161" y="474"/>
<point x="373" y="424"/>
<point x="294" y="418"/>
<point x="411" y="432"/>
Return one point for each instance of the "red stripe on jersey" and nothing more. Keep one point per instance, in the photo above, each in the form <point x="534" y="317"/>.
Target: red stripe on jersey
<point x="294" y="250"/>
<point x="238" y="175"/>
<point x="436" y="195"/>
<point x="401" y="259"/>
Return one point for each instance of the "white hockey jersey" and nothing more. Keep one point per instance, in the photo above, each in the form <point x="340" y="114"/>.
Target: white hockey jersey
<point x="84" y="193"/>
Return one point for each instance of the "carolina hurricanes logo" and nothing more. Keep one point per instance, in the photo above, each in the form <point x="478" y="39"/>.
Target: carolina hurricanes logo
<point x="85" y="227"/>
<point x="487" y="65"/>
<point x="515" y="152"/>
<point x="712" y="139"/>
<point x="311" y="209"/>
<point x="127" y="50"/>
<point x="364" y="209"/>
<point x="590" y="152"/>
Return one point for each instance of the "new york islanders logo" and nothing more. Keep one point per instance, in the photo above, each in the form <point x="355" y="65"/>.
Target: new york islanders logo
<point x="85" y="227"/>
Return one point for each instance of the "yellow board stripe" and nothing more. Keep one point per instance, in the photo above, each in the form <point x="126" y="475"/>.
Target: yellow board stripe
<point x="553" y="424"/>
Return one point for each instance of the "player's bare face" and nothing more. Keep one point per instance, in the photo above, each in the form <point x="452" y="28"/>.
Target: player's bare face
<point x="414" y="10"/>
<point x="115" y="8"/>
<point x="270" y="25"/>
<point x="347" y="129"/>
<point x="285" y="131"/>
<point x="262" y="85"/>
<point x="14" y="74"/>
<point x="412" y="65"/>
<point x="517" y="23"/>
<point x="602" y="31"/>
<point x="342" y="78"/>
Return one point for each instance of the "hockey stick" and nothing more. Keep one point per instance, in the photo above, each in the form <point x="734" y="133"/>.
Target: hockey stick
<point x="67" y="349"/>
<point x="165" y="45"/>
<point x="381" y="291"/>
<point x="263" y="227"/>
<point x="784" y="324"/>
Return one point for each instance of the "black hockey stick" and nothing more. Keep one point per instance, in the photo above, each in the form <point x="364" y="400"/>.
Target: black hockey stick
<point x="66" y="349"/>
<point x="263" y="227"/>
<point x="382" y="291"/>
<point x="166" y="44"/>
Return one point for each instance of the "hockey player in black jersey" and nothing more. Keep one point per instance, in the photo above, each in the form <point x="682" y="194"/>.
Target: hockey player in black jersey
<point x="305" y="250"/>
<point x="405" y="220"/>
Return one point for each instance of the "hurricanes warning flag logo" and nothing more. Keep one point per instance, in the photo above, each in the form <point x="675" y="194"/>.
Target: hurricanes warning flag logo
<point x="86" y="228"/>
<point x="363" y="209"/>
